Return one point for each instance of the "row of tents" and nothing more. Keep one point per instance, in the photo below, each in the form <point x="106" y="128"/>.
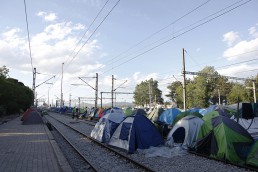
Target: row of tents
<point x="216" y="133"/>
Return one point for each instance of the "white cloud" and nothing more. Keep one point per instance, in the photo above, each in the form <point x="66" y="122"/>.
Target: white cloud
<point x="47" y="16"/>
<point x="138" y="77"/>
<point x="244" y="49"/>
<point x="253" y="32"/>
<point x="242" y="70"/>
<point x="231" y="37"/>
<point x="50" y="48"/>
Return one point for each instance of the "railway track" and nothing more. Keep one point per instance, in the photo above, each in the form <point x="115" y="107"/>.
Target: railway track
<point x="87" y="121"/>
<point x="98" y="156"/>
<point x="185" y="161"/>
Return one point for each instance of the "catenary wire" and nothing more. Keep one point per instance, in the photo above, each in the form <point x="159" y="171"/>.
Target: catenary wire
<point x="28" y="33"/>
<point x="147" y="46"/>
<point x="170" y="39"/>
<point x="90" y="36"/>
<point x="174" y="32"/>
<point x="88" y="28"/>
<point x="155" y="33"/>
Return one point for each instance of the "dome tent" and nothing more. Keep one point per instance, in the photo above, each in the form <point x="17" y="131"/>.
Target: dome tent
<point x="185" y="131"/>
<point x="223" y="139"/>
<point x="136" y="132"/>
<point x="107" y="124"/>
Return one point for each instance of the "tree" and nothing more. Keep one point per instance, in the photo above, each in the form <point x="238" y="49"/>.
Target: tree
<point x="4" y="72"/>
<point x="173" y="87"/>
<point x="237" y="93"/>
<point x="143" y="90"/>
<point x="14" y="95"/>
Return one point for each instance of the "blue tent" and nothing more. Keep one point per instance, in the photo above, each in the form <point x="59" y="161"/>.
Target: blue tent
<point x="139" y="112"/>
<point x="196" y="109"/>
<point x="209" y="109"/>
<point x="136" y="132"/>
<point x="169" y="115"/>
<point x="107" y="124"/>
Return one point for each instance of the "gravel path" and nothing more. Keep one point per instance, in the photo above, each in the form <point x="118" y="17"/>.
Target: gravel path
<point x="188" y="162"/>
<point x="103" y="158"/>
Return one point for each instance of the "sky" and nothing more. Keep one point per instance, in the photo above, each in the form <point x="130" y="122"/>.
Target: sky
<point x="131" y="40"/>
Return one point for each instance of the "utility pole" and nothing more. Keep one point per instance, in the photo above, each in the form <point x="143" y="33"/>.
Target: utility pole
<point x="254" y="92"/>
<point x="61" y="103"/>
<point x="33" y="85"/>
<point x="36" y="99"/>
<point x="184" y="84"/>
<point x="79" y="102"/>
<point x="112" y="91"/>
<point x="219" y="95"/>
<point x="96" y="91"/>
<point x="70" y="100"/>
<point x="150" y="91"/>
<point x="101" y="99"/>
<point x="48" y="97"/>
<point x="96" y="88"/>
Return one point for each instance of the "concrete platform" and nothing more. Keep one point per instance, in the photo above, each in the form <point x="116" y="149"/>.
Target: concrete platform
<point x="29" y="148"/>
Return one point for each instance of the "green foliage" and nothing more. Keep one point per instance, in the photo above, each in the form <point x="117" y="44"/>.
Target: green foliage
<point x="4" y="72"/>
<point x="14" y="96"/>
<point x="210" y="86"/>
<point x="141" y="93"/>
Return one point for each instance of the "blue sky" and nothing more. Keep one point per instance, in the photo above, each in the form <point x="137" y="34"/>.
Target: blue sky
<point x="120" y="46"/>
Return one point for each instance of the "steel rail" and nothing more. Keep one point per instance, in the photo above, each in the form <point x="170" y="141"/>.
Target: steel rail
<point x="75" y="149"/>
<point x="109" y="148"/>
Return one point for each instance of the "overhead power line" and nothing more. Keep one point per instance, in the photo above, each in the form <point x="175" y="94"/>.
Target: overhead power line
<point x="180" y="34"/>
<point x="28" y="34"/>
<point x="88" y="28"/>
<point x="222" y="58"/>
<point x="94" y="31"/>
<point x="91" y="33"/>
<point x="237" y="63"/>
<point x="155" y="33"/>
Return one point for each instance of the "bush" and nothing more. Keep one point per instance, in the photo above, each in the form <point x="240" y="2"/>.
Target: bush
<point x="2" y="111"/>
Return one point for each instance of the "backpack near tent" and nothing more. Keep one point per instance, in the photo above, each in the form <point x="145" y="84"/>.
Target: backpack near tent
<point x="185" y="131"/>
<point x="136" y="132"/>
<point x="107" y="124"/>
<point x="33" y="118"/>
<point x="252" y="158"/>
<point x="223" y="139"/>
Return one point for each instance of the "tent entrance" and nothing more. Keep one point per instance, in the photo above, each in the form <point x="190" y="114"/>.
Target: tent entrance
<point x="208" y="145"/>
<point x="179" y="135"/>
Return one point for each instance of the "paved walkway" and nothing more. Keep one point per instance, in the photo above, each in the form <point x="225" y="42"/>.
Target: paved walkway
<point x="29" y="148"/>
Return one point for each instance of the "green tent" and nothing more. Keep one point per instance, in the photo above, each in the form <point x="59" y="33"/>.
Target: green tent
<point x="128" y="111"/>
<point x="223" y="139"/>
<point x="252" y="158"/>
<point x="184" y="114"/>
<point x="218" y="112"/>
